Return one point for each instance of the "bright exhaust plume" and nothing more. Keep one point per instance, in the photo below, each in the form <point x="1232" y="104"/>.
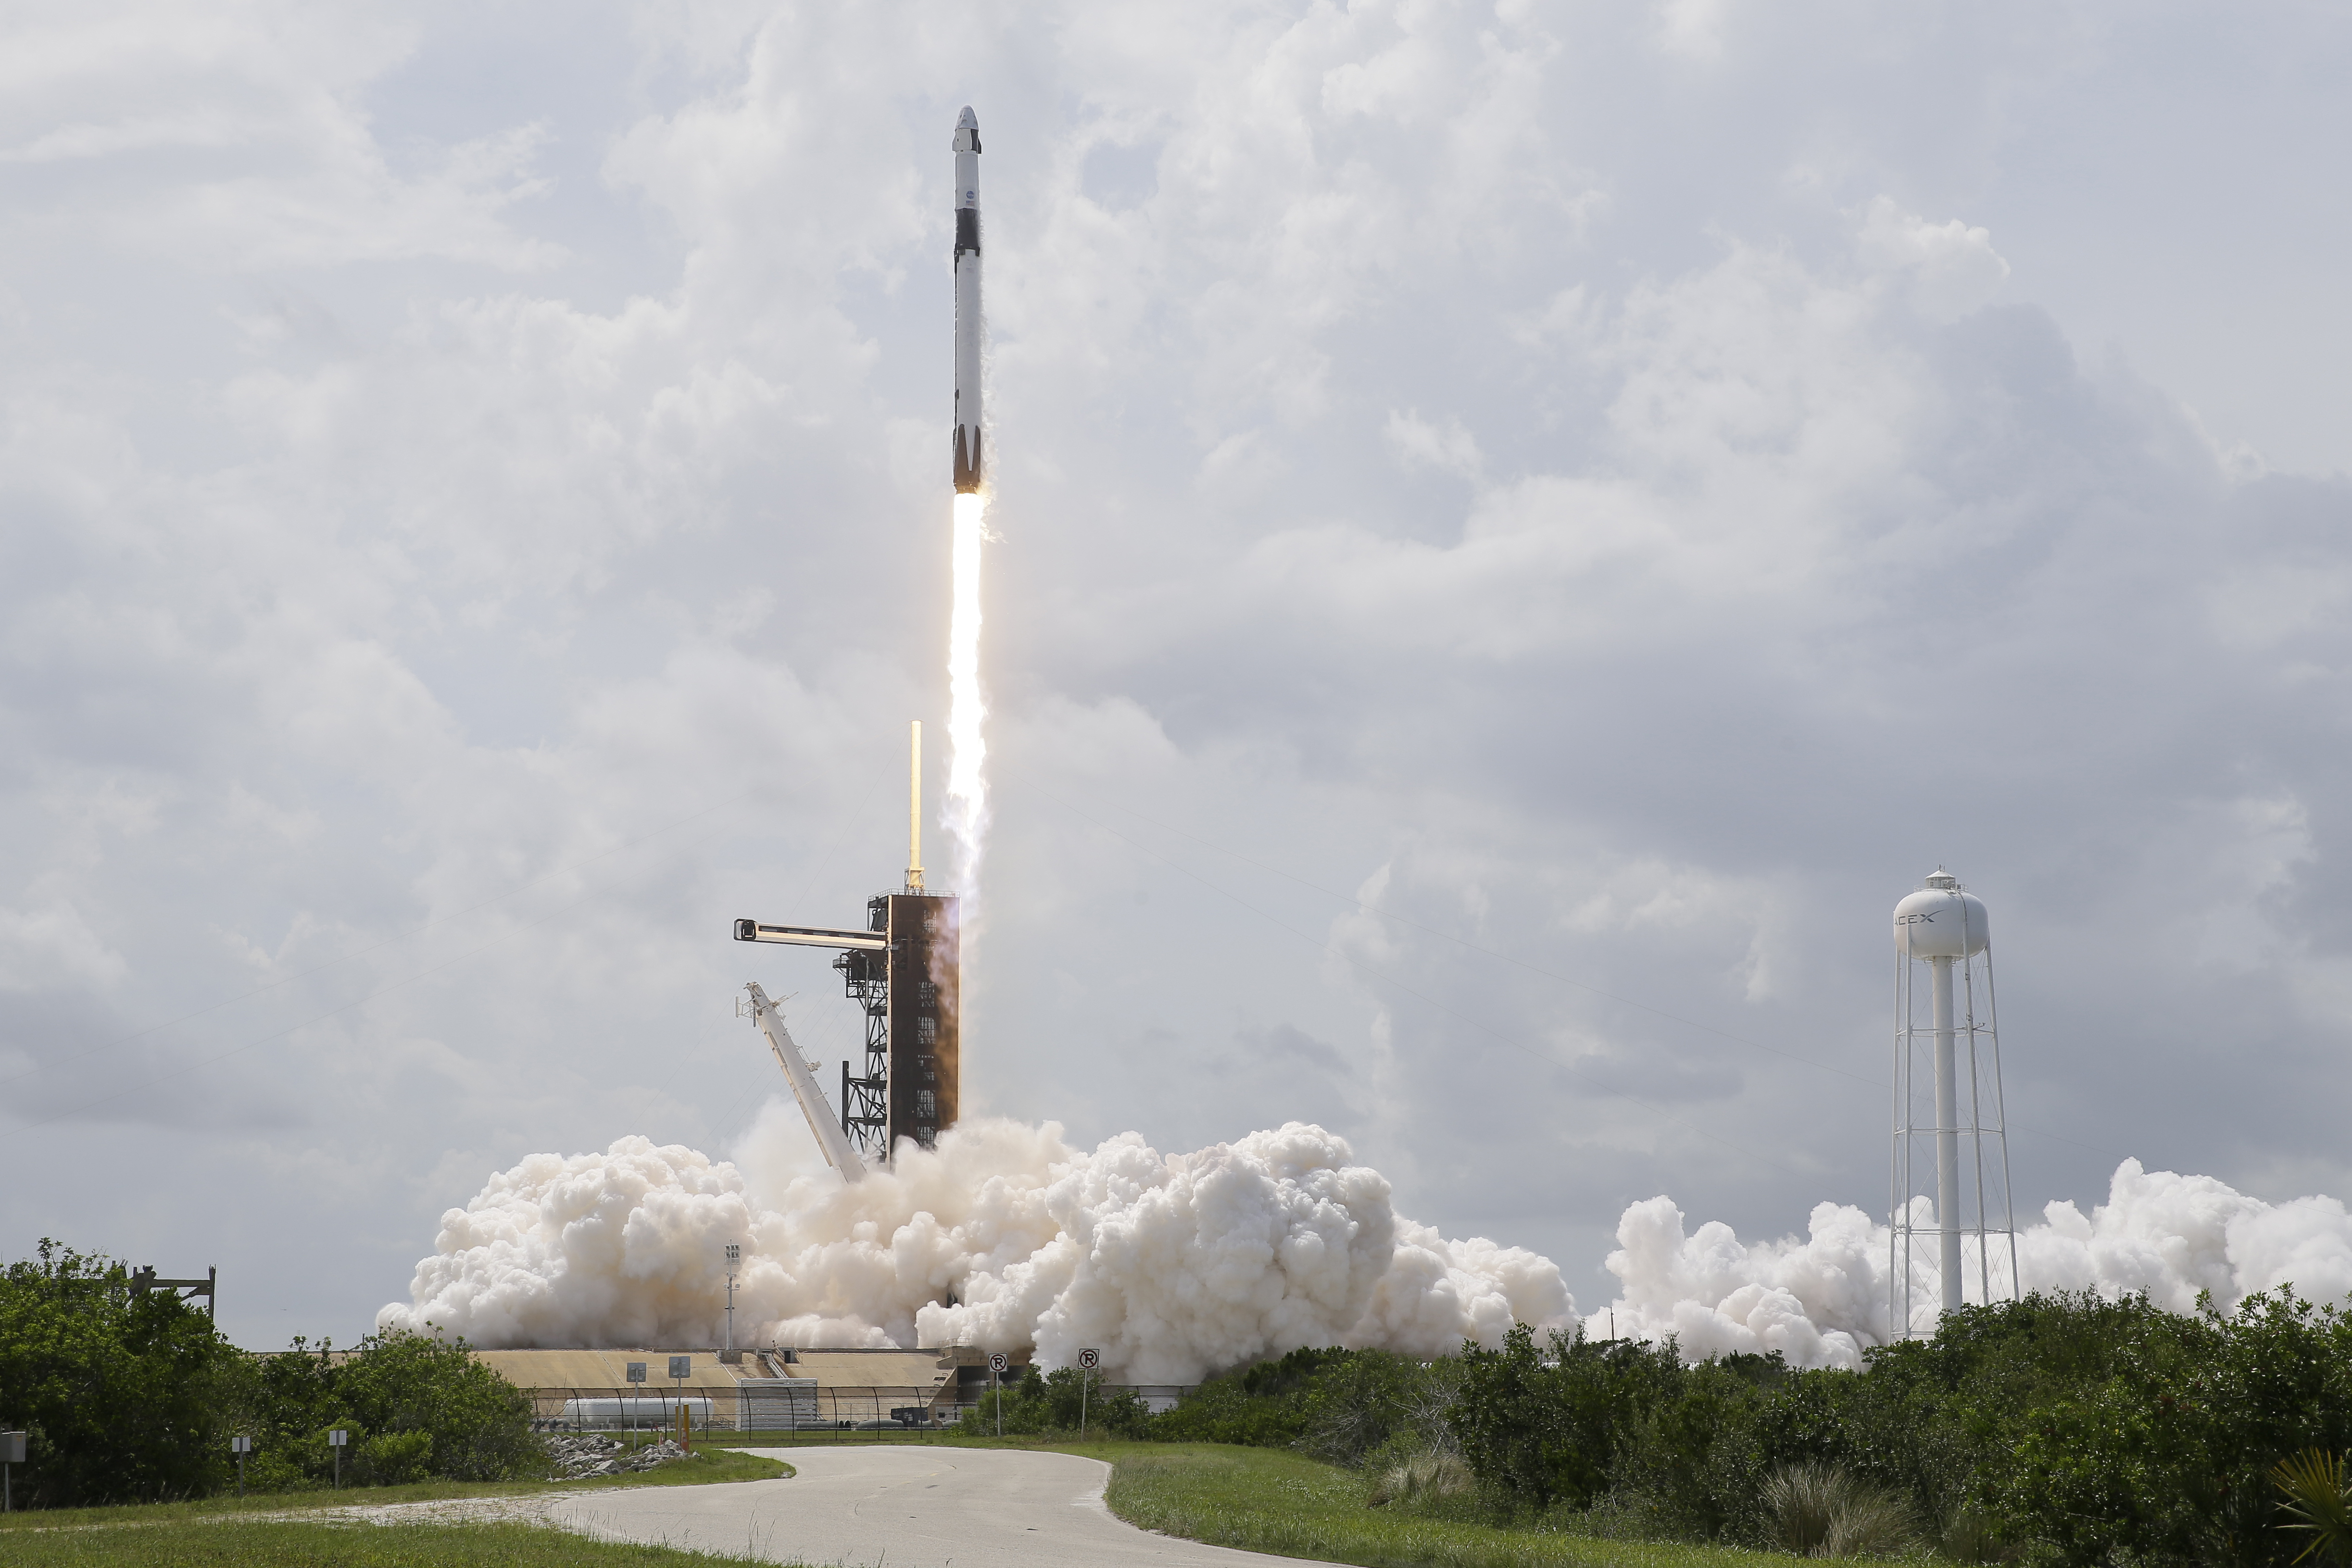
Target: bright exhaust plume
<point x="966" y="809"/>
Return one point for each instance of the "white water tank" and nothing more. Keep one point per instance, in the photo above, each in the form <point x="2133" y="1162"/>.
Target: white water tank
<point x="1939" y="921"/>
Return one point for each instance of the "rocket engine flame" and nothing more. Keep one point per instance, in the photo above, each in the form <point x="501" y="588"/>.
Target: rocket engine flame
<point x="966" y="813"/>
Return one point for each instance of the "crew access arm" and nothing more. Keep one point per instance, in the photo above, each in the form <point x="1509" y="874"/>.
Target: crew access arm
<point x="838" y="1154"/>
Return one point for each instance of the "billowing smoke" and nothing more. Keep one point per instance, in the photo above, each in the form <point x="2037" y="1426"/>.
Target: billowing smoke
<point x="1180" y="1265"/>
<point x="1174" y="1266"/>
<point x="1821" y="1300"/>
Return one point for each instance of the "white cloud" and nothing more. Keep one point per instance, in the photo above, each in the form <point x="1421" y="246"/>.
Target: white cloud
<point x="1953" y="267"/>
<point x="1418" y="444"/>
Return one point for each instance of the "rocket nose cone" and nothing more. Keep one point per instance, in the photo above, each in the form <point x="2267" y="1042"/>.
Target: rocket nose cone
<point x="967" y="120"/>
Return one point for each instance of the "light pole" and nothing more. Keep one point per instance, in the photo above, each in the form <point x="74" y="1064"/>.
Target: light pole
<point x="734" y="1262"/>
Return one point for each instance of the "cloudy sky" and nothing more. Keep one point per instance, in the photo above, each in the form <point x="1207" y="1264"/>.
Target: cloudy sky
<point x="1524" y="528"/>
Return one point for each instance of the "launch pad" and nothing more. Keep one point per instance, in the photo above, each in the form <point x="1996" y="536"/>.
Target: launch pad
<point x="904" y="969"/>
<point x="910" y="990"/>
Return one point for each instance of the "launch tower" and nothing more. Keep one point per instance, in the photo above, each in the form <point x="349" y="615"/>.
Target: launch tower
<point x="904" y="970"/>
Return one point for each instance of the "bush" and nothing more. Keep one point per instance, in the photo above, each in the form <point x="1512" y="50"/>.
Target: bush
<point x="119" y="1394"/>
<point x="1058" y="1402"/>
<point x="2062" y="1429"/>
<point x="132" y="1396"/>
<point x="395" y="1458"/>
<point x="1420" y="1479"/>
<point x="1820" y="1510"/>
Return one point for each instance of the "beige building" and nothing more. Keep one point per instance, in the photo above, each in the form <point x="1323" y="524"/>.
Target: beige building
<point x="766" y="1389"/>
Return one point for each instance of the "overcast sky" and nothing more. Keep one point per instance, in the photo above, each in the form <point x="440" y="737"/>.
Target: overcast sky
<point x="1524" y="529"/>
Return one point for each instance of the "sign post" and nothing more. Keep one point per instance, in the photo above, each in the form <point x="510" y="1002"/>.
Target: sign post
<point x="240" y="1446"/>
<point x="681" y="1367"/>
<point x="339" y="1439"/>
<point x="1087" y="1361"/>
<point x="637" y="1374"/>
<point x="12" y="1454"/>
<point x="997" y="1363"/>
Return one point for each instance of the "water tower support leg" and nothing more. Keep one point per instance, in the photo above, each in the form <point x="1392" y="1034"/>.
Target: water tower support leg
<point x="1947" y="1135"/>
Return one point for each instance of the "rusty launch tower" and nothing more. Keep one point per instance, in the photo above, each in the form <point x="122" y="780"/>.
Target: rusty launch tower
<point x="903" y="970"/>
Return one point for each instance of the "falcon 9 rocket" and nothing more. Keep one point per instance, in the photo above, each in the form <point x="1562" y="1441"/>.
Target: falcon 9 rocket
<point x="968" y="466"/>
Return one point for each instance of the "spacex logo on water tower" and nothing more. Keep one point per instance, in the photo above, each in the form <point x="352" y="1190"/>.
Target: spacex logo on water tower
<point x="1953" y="1143"/>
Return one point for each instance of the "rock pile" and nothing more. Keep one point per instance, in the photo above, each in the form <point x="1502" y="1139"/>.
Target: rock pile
<point x="577" y="1456"/>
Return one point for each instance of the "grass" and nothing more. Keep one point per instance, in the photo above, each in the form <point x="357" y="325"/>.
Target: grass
<point x="1284" y="1504"/>
<point x="711" y="1464"/>
<point x="1272" y="1500"/>
<point x="243" y="1544"/>
<point x="1259" y="1499"/>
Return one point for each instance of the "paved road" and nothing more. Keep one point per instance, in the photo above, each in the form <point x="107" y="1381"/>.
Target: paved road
<point x="892" y="1507"/>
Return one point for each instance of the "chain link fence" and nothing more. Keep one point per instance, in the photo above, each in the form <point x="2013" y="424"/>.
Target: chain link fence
<point x="781" y="1405"/>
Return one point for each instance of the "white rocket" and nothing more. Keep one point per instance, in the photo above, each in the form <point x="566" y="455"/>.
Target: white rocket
<point x="968" y="463"/>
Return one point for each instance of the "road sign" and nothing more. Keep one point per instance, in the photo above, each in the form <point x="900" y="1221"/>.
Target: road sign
<point x="1090" y="1359"/>
<point x="998" y="1361"/>
<point x="636" y="1372"/>
<point x="681" y="1366"/>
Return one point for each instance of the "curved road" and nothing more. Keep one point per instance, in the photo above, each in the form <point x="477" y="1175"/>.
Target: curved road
<point x="889" y="1507"/>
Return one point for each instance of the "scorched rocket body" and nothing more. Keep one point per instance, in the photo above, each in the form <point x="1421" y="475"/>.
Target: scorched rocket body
<point x="968" y="465"/>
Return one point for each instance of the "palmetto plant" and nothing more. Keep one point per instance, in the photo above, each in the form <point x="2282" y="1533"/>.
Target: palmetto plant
<point x="2317" y="1494"/>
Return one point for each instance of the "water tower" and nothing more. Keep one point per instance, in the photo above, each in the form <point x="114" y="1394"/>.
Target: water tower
<point x="1953" y="1238"/>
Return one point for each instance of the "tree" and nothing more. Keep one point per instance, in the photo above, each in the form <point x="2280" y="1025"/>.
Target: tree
<point x="118" y="1392"/>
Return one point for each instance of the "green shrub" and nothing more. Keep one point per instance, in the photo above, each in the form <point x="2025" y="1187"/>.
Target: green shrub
<point x="2062" y="1429"/>
<point x="119" y="1394"/>
<point x="1058" y="1401"/>
<point x="1421" y="1478"/>
<point x="132" y="1396"/>
<point x="395" y="1458"/>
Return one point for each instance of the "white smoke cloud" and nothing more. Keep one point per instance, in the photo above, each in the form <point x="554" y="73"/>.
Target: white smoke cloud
<point x="1822" y="1300"/>
<point x="1175" y="1266"/>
